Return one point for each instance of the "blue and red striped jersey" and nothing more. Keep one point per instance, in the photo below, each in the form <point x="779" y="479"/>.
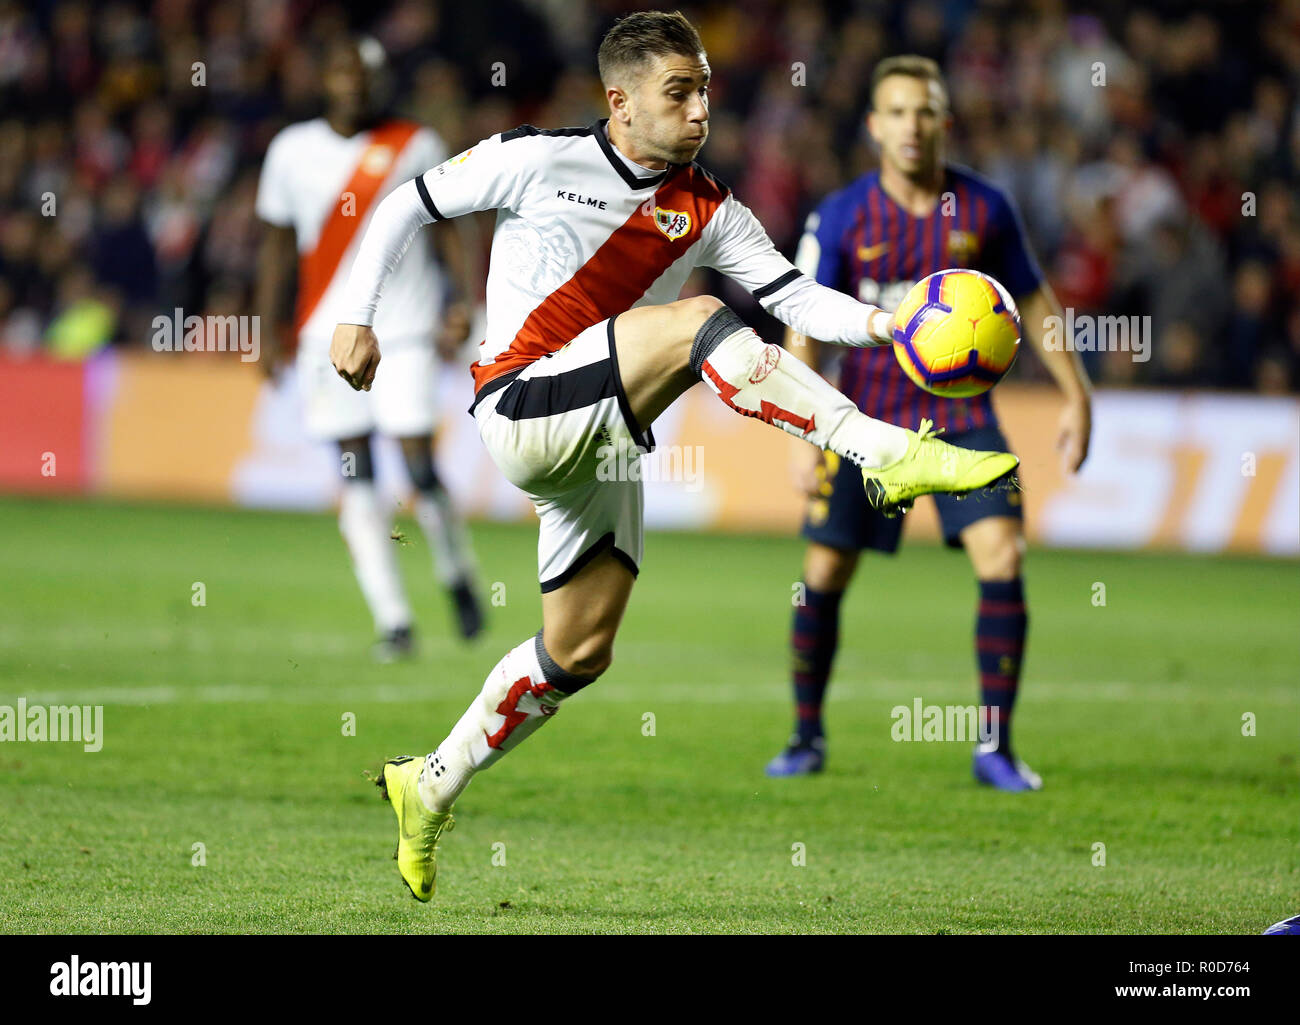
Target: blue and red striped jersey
<point x="860" y="241"/>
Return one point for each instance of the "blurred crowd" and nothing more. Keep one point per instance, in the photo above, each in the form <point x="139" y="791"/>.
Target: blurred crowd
<point x="1153" y="148"/>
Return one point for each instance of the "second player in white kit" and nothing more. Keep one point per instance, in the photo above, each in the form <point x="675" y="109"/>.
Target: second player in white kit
<point x="320" y="183"/>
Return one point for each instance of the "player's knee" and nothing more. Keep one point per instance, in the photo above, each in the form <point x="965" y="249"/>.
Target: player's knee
<point x="1001" y="560"/>
<point x="829" y="569"/>
<point x="590" y="658"/>
<point x="355" y="460"/>
<point x="420" y="468"/>
<point x="694" y="312"/>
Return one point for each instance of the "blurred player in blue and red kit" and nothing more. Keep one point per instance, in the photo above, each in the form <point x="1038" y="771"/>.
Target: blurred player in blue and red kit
<point x="874" y="239"/>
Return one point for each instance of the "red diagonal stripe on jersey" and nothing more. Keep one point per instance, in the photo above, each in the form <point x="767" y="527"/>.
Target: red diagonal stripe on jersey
<point x="632" y="259"/>
<point x="767" y="411"/>
<point x="316" y="269"/>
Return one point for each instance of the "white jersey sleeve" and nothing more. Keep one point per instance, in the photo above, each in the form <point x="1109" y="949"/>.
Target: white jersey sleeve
<point x="427" y="148"/>
<point x="491" y="175"/>
<point x="735" y="244"/>
<point x="275" y="184"/>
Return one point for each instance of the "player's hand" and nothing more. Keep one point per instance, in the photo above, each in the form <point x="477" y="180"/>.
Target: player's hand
<point x="354" y="352"/>
<point x="807" y="469"/>
<point x="1074" y="431"/>
<point x="453" y="331"/>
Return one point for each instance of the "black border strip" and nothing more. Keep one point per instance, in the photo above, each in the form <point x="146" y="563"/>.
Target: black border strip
<point x="426" y="198"/>
<point x="606" y="540"/>
<point x="496" y="384"/>
<point x="645" y="442"/>
<point x="547" y="395"/>
<point x="626" y="560"/>
<point x="777" y="285"/>
<point x="624" y="172"/>
<point x="527" y="131"/>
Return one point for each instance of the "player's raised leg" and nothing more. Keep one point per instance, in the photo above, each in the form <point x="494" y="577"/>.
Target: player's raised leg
<point x="521" y="693"/>
<point x="367" y="528"/>
<point x="663" y="349"/>
<point x="994" y="545"/>
<point x="443" y="528"/>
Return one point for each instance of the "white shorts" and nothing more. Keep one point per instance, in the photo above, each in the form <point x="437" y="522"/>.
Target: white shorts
<point x="561" y="430"/>
<point x="402" y="402"/>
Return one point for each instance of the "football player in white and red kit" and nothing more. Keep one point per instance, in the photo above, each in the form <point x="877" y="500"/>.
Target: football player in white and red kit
<point x="597" y="230"/>
<point x="320" y="184"/>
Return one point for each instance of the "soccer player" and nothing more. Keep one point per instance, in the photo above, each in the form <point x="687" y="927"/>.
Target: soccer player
<point x="874" y="239"/>
<point x="597" y="229"/>
<point x="320" y="184"/>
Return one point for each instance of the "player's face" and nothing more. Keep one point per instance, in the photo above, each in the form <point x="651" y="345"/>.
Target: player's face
<point x="908" y="121"/>
<point x="669" y="109"/>
<point x="346" y="82"/>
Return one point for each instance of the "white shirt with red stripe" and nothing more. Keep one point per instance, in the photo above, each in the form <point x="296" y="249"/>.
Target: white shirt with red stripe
<point x="582" y="234"/>
<point x="308" y="168"/>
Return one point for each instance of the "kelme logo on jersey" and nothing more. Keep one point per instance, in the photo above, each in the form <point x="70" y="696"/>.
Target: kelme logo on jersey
<point x="673" y="223"/>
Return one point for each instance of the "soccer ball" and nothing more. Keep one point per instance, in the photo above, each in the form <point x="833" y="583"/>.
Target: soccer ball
<point x="956" y="333"/>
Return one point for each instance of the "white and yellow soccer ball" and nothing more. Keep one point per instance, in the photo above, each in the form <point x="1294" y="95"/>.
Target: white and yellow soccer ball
<point x="956" y="333"/>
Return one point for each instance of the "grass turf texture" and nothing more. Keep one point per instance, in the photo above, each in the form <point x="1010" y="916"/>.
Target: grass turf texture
<point x="224" y="726"/>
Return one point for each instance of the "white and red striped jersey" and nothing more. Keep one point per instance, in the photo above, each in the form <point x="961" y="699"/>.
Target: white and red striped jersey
<point x="326" y="187"/>
<point x="583" y="234"/>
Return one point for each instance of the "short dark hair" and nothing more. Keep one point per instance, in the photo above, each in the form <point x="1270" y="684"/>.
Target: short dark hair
<point x="910" y="64"/>
<point x="634" y="40"/>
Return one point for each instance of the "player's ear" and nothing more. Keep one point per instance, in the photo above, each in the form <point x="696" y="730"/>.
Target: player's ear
<point x="871" y="127"/>
<point x="618" y="103"/>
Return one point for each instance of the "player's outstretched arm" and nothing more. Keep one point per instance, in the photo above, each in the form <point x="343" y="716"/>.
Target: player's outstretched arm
<point x="276" y="259"/>
<point x="354" y="350"/>
<point x="736" y="244"/>
<point x="481" y="178"/>
<point x="816" y="311"/>
<point x="1074" y="430"/>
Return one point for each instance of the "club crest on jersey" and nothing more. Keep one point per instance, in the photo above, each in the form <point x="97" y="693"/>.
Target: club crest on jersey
<point x="673" y="223"/>
<point x="963" y="247"/>
<point x="377" y="160"/>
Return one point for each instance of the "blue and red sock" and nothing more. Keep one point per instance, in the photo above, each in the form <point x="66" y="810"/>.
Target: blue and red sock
<point x="999" y="649"/>
<point x="814" y="636"/>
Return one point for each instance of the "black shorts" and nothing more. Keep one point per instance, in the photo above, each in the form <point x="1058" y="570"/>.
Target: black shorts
<point x="841" y="517"/>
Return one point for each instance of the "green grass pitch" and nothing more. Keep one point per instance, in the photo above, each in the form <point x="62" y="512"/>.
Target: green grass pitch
<point x="223" y="726"/>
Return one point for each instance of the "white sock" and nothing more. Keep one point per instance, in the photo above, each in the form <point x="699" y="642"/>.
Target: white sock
<point x="761" y="380"/>
<point x="367" y="530"/>
<point x="453" y="558"/>
<point x="518" y="697"/>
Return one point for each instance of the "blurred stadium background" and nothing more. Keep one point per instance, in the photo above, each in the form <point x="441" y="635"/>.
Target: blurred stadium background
<point x="1171" y="192"/>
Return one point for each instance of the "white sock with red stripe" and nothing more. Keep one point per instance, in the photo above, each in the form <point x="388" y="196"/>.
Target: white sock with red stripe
<point x="367" y="529"/>
<point x="761" y="380"/>
<point x="521" y="693"/>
